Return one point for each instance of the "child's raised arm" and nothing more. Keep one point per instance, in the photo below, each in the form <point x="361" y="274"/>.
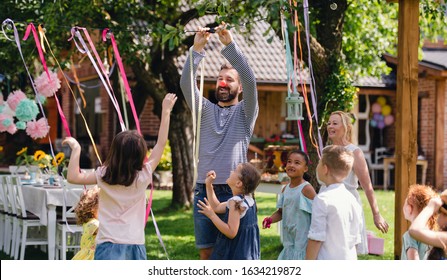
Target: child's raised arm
<point x="157" y="151"/>
<point x="419" y="231"/>
<point x="229" y="229"/>
<point x="215" y="204"/>
<point x="74" y="175"/>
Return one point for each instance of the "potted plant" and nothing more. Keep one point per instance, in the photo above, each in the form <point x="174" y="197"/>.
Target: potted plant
<point x="163" y="172"/>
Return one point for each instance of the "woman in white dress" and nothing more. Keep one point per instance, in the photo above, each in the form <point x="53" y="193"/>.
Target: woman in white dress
<point x="339" y="129"/>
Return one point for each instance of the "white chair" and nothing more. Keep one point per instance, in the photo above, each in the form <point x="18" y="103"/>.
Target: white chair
<point x="7" y="217"/>
<point x="11" y="221"/>
<point x="3" y="214"/>
<point x="27" y="220"/>
<point x="377" y="164"/>
<point x="68" y="233"/>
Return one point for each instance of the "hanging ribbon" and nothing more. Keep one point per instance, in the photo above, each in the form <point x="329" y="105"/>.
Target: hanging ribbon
<point x="85" y="50"/>
<point x="17" y="41"/>
<point x="196" y="117"/>
<point x="42" y="32"/>
<point x="32" y="28"/>
<point x="40" y="46"/>
<point x="303" y="86"/>
<point x="105" y="33"/>
<point x="291" y="65"/>
<point x="312" y="80"/>
<point x="77" y="83"/>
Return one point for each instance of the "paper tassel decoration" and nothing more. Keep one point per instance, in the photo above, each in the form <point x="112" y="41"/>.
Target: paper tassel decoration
<point x="47" y="87"/>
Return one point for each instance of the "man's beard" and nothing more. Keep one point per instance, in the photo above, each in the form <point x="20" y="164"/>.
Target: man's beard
<point x="225" y="97"/>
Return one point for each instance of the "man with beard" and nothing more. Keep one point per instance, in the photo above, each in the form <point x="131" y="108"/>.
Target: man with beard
<point x="225" y="128"/>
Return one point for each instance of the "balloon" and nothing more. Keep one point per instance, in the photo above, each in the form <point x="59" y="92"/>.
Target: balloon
<point x="389" y="120"/>
<point x="386" y="110"/>
<point x="373" y="123"/>
<point x="376" y="117"/>
<point x="381" y="100"/>
<point x="376" y="108"/>
<point x="381" y="124"/>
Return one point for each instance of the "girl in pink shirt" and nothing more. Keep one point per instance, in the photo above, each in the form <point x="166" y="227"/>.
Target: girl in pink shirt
<point x="122" y="179"/>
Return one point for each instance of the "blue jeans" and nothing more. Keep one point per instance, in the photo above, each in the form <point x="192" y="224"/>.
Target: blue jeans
<point x="112" y="251"/>
<point x="204" y="229"/>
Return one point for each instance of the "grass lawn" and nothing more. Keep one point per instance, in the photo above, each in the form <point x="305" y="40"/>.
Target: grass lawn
<point x="177" y="231"/>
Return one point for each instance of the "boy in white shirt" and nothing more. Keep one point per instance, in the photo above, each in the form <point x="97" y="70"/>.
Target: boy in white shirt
<point x="336" y="215"/>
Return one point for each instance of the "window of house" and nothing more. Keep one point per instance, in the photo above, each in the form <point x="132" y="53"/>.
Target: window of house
<point x="92" y="111"/>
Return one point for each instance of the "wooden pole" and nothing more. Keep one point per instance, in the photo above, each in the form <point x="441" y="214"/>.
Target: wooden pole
<point x="407" y="112"/>
<point x="439" y="134"/>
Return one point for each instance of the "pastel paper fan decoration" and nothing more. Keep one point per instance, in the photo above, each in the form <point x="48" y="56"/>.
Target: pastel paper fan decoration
<point x="12" y="128"/>
<point x="4" y="109"/>
<point x="21" y="125"/>
<point x="27" y="110"/>
<point x="5" y="122"/>
<point x="37" y="129"/>
<point x="14" y="99"/>
<point x="47" y="87"/>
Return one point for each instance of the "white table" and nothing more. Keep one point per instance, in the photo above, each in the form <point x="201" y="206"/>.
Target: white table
<point x="387" y="161"/>
<point x="269" y="187"/>
<point x="42" y="202"/>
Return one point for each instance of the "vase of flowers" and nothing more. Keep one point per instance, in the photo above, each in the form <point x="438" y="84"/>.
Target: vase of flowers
<point x="41" y="162"/>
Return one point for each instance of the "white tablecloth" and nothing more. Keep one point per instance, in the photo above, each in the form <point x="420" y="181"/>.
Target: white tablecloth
<point x="38" y="198"/>
<point x="42" y="201"/>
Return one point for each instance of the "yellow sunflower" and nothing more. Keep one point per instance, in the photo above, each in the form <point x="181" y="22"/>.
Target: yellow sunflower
<point x="22" y="151"/>
<point x="58" y="159"/>
<point x="39" y="154"/>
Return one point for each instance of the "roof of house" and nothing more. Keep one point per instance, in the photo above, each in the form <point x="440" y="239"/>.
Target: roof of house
<point x="436" y="58"/>
<point x="386" y="81"/>
<point x="268" y="59"/>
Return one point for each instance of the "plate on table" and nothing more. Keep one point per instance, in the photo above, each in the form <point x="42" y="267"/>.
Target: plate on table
<point x="28" y="182"/>
<point x="51" y="187"/>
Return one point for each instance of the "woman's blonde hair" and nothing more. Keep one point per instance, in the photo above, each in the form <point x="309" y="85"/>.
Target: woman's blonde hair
<point x="346" y="121"/>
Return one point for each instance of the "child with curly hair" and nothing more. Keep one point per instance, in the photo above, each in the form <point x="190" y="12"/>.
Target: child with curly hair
<point x="86" y="215"/>
<point x="417" y="198"/>
<point x="436" y="239"/>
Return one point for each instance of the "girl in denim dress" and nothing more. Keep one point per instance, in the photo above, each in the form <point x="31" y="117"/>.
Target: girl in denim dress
<point x="239" y="232"/>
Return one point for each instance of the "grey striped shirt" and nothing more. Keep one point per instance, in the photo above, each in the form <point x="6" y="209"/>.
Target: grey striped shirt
<point x="225" y="132"/>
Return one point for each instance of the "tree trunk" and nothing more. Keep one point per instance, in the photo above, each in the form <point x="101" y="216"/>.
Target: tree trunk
<point x="180" y="137"/>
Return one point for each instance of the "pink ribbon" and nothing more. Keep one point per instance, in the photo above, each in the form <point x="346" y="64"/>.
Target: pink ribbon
<point x="62" y="116"/>
<point x="84" y="49"/>
<point x="123" y="75"/>
<point x="32" y="28"/>
<point x="19" y="47"/>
